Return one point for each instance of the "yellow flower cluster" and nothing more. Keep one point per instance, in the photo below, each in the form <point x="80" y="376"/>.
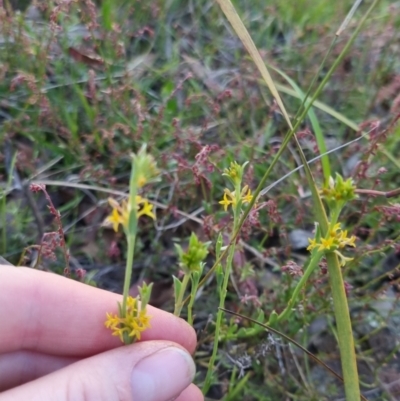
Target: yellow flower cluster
<point x="230" y="197"/>
<point x="135" y="322"/>
<point x="120" y="212"/>
<point x="336" y="239"/>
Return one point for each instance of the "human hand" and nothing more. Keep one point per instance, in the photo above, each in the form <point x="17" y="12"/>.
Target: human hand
<point x="54" y="346"/>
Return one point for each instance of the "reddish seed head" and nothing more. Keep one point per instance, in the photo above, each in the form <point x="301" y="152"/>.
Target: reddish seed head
<point x="80" y="273"/>
<point x="37" y="187"/>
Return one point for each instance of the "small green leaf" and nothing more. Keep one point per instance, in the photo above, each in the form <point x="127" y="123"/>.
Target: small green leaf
<point x="273" y="319"/>
<point x="177" y="286"/>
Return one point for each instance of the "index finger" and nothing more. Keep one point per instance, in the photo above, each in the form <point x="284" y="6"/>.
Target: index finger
<point x="48" y="313"/>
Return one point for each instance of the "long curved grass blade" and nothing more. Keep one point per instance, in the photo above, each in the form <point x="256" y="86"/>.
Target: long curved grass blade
<point x="237" y="24"/>
<point x="319" y="105"/>
<point x="290" y="340"/>
<point x="314" y="122"/>
<point x="349" y="16"/>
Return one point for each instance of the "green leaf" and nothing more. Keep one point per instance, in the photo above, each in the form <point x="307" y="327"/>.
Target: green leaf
<point x="177" y="286"/>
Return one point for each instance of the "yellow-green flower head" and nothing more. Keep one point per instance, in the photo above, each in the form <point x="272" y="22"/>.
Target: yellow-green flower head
<point x="235" y="172"/>
<point x="195" y="254"/>
<point x="120" y="211"/>
<point x="145" y="168"/>
<point x="133" y="324"/>
<point x="339" y="190"/>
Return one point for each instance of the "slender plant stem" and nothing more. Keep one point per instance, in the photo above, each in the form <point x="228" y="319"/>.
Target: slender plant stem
<point x="345" y="333"/>
<point x="195" y="285"/>
<point x="179" y="302"/>
<point x="131" y="239"/>
<point x="310" y="268"/>
<point x="220" y="313"/>
<point x="142" y="164"/>
<point x="223" y="290"/>
<point x="130" y="233"/>
<point x="334" y="215"/>
<point x="128" y="270"/>
<point x="189" y="311"/>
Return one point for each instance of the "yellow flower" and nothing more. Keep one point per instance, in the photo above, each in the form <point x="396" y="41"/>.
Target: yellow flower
<point x="134" y="323"/>
<point x="343" y="259"/>
<point x="120" y="212"/>
<point x="147" y="209"/>
<point x="112" y="320"/>
<point x="334" y="229"/>
<point x="336" y="239"/>
<point x="326" y="243"/>
<point x="344" y="240"/>
<point x="115" y="219"/>
<point x="313" y="244"/>
<point x="230" y="197"/>
<point x="138" y="325"/>
<point x="225" y="202"/>
<point x="248" y="197"/>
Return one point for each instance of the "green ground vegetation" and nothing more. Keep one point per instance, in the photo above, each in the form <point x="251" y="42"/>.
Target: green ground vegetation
<point x="84" y="84"/>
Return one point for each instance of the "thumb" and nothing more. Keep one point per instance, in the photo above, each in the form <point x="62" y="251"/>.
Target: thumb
<point x="146" y="371"/>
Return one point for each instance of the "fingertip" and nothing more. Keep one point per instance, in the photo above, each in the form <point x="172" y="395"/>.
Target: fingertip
<point x="191" y="393"/>
<point x="163" y="374"/>
<point x="147" y="371"/>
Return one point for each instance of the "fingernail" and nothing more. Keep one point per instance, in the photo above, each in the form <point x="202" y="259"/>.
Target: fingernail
<point x="162" y="375"/>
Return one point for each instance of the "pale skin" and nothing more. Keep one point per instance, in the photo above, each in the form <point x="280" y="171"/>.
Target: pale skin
<point x="54" y="346"/>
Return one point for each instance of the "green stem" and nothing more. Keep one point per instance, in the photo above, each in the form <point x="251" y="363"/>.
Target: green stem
<point x="195" y="285"/>
<point x="345" y="334"/>
<point x="310" y="268"/>
<point x="4" y="204"/>
<point x="190" y="308"/>
<point x="127" y="282"/>
<point x="334" y="215"/>
<point x="223" y="291"/>
<point x="179" y="302"/>
<point x="207" y="382"/>
<point x="130" y="233"/>
<point x="128" y="270"/>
